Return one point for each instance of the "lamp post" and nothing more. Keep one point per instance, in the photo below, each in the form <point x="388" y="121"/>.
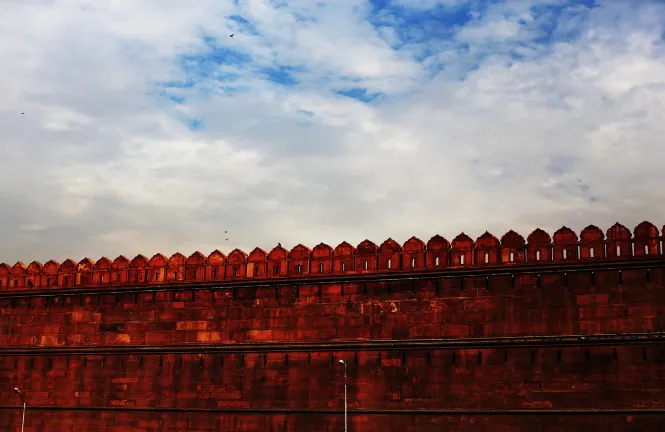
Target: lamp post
<point x="18" y="392"/>
<point x="346" y="424"/>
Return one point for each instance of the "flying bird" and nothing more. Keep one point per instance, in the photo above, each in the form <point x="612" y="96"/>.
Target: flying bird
<point x="231" y="35"/>
<point x="227" y="239"/>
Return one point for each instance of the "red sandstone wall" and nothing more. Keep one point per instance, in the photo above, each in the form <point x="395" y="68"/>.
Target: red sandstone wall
<point x="609" y="301"/>
<point x="600" y="377"/>
<point x="414" y="255"/>
<point x="204" y="422"/>
<point x="492" y="379"/>
<point x="597" y="377"/>
<point x="561" y="301"/>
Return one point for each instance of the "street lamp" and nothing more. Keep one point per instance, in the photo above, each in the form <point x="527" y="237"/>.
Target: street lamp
<point x="346" y="425"/>
<point x="18" y="392"/>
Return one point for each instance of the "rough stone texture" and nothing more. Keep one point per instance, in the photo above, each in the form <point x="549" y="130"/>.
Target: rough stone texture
<point x="571" y="378"/>
<point x="493" y="306"/>
<point x="463" y="290"/>
<point x="203" y="422"/>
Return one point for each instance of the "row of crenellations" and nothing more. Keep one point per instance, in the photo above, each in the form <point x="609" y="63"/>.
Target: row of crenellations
<point x="322" y="260"/>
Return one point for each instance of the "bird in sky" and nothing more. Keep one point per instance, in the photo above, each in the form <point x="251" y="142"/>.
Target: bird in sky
<point x="227" y="239"/>
<point x="232" y="35"/>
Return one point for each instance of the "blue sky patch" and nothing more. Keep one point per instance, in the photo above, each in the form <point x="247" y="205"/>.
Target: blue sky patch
<point x="178" y="84"/>
<point x="419" y="26"/>
<point x="428" y="36"/>
<point x="243" y="25"/>
<point x="176" y="99"/>
<point x="549" y="19"/>
<point x="359" y="94"/>
<point x="282" y="75"/>
<point x="195" y="124"/>
<point x="213" y="56"/>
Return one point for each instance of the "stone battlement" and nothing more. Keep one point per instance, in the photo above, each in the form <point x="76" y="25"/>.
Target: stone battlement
<point x="438" y="253"/>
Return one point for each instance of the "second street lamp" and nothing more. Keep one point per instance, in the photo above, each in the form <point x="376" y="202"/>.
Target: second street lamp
<point x="18" y="392"/>
<point x="345" y="405"/>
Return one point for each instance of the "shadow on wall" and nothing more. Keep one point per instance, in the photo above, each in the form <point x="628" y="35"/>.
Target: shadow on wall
<point x="323" y="260"/>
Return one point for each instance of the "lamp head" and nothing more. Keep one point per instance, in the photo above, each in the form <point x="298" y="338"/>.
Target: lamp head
<point x="17" y="391"/>
<point x="342" y="362"/>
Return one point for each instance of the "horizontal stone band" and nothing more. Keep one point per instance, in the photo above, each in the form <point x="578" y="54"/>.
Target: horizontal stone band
<point x="305" y="411"/>
<point x="338" y="346"/>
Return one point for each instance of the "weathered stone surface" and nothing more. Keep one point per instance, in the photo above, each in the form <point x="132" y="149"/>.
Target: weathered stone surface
<point x="453" y="294"/>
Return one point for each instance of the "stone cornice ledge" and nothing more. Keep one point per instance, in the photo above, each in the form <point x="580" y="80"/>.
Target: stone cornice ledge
<point x="351" y="345"/>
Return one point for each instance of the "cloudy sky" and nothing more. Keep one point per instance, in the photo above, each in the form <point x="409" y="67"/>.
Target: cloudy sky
<point x="148" y="129"/>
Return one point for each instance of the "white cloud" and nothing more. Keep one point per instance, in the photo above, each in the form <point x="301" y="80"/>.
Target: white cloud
<point x="100" y="164"/>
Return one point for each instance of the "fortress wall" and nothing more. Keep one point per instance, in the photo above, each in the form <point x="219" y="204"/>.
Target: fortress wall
<point x="59" y="421"/>
<point x="544" y="378"/>
<point x="584" y="302"/>
<point x="459" y="291"/>
<point x="620" y="377"/>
